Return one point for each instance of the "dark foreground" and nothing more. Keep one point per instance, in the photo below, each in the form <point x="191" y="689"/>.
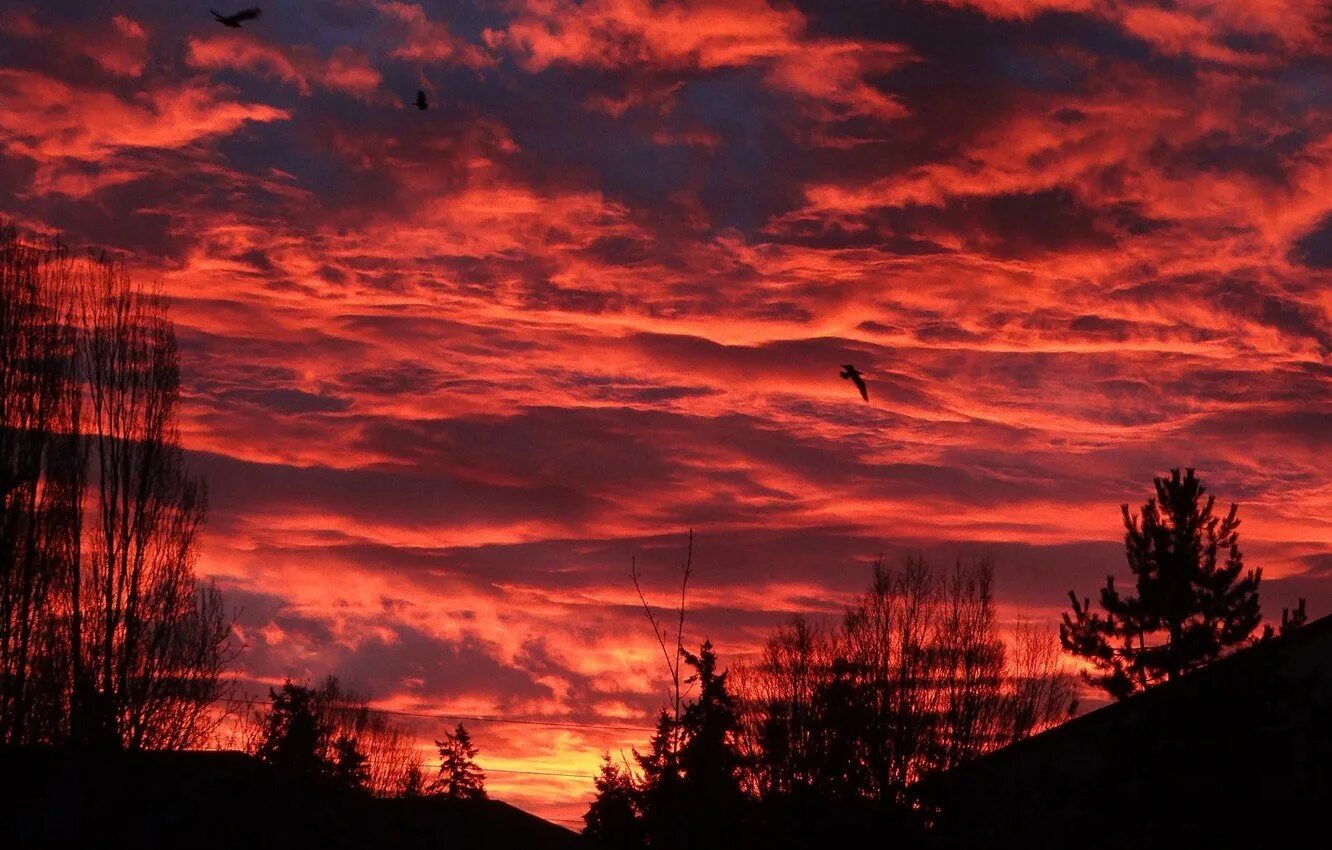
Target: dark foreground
<point x="207" y="800"/>
<point x="1238" y="754"/>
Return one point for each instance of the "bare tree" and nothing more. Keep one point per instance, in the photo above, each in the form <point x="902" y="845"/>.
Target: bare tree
<point x="40" y="494"/>
<point x="389" y="749"/>
<point x="1042" y="691"/>
<point x="970" y="662"/>
<point x="105" y="635"/>
<point x="674" y="655"/>
<point x="154" y="643"/>
<point x="785" y="740"/>
<point x="917" y="679"/>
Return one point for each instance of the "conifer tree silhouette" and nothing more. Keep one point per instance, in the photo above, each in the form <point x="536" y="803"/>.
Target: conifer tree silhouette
<point x="611" y="821"/>
<point x="350" y="769"/>
<point x="1190" y="605"/>
<point x="294" y="736"/>
<point x="691" y="797"/>
<point x="660" y="795"/>
<point x="413" y="782"/>
<point x="459" y="777"/>
<point x="708" y="756"/>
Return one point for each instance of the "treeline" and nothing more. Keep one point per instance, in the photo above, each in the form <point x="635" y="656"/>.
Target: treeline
<point x="106" y="637"/>
<point x="835" y="724"/>
<point x="916" y="679"/>
<point x="329" y="735"/>
<point x="823" y="739"/>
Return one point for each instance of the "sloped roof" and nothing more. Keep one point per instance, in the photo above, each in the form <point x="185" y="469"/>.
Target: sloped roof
<point x="1090" y="725"/>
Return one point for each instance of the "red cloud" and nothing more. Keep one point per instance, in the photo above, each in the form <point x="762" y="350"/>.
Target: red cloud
<point x="45" y="119"/>
<point x="428" y="41"/>
<point x="119" y="47"/>
<point x="703" y="35"/>
<point x="344" y="70"/>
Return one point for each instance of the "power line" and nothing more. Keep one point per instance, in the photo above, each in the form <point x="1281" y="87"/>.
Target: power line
<point x="539" y="773"/>
<point x="482" y="718"/>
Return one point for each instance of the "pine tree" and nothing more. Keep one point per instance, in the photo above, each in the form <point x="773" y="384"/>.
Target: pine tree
<point x="350" y="769"/>
<point x="295" y="739"/>
<point x="690" y="796"/>
<point x="708" y="756"/>
<point x="1190" y="605"/>
<point x="413" y="782"/>
<point x="612" y="818"/>
<point x="459" y="777"/>
<point x="660" y="793"/>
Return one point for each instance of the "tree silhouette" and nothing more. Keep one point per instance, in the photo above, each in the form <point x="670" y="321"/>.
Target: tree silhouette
<point x="709" y="757"/>
<point x="611" y="821"/>
<point x="350" y="769"/>
<point x="832" y="726"/>
<point x="916" y="680"/>
<point x="844" y="717"/>
<point x="329" y="731"/>
<point x="1190" y="605"/>
<point x="295" y="738"/>
<point x="659" y="789"/>
<point x="459" y="777"/>
<point x="690" y="794"/>
<point x="413" y="782"/>
<point x="106" y="636"/>
<point x="41" y="486"/>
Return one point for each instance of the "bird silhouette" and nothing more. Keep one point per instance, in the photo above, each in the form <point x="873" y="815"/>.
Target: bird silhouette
<point x="421" y="102"/>
<point x="852" y="373"/>
<point x="236" y="19"/>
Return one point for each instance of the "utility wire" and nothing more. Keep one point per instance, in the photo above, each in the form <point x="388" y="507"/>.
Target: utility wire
<point x="539" y="773"/>
<point x="481" y="718"/>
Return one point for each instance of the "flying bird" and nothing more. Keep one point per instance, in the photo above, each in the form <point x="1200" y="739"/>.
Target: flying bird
<point x="235" y="20"/>
<point x="421" y="102"/>
<point x="852" y="373"/>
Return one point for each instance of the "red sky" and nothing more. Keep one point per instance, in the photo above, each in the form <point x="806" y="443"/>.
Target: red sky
<point x="447" y="372"/>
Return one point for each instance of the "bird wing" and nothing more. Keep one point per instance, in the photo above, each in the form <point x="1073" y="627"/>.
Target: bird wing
<point x="247" y="14"/>
<point x="860" y="385"/>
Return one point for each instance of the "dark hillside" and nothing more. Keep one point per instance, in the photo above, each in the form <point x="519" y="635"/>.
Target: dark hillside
<point x="222" y="800"/>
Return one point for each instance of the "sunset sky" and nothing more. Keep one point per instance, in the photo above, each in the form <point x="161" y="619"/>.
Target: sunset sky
<point x="448" y="372"/>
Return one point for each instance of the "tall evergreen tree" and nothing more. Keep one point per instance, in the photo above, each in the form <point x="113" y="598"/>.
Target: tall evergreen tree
<point x="413" y="782"/>
<point x="844" y="714"/>
<point x="709" y="758"/>
<point x="295" y="738"/>
<point x="459" y="777"/>
<point x="350" y="769"/>
<point x="611" y="821"/>
<point x="691" y="797"/>
<point x="1192" y="602"/>
<point x="660" y="792"/>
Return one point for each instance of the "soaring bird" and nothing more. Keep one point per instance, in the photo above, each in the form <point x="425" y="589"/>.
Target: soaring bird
<point x="851" y="372"/>
<point x="235" y="20"/>
<point x="421" y="102"/>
